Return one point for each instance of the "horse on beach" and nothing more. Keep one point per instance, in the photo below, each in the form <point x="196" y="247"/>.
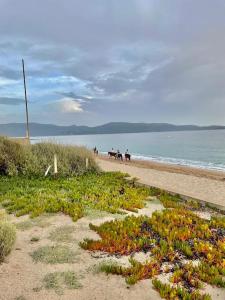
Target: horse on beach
<point x="112" y="154"/>
<point x="115" y="155"/>
<point x="119" y="156"/>
<point x="127" y="156"/>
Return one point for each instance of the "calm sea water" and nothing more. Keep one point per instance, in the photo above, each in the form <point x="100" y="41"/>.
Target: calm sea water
<point x="204" y="149"/>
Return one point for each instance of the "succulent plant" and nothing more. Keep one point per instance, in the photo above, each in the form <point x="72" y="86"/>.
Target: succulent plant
<point x="169" y="236"/>
<point x="71" y="196"/>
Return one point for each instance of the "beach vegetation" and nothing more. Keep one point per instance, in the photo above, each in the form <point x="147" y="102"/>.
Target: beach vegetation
<point x="172" y="237"/>
<point x="169" y="292"/>
<point x="56" y="254"/>
<point x="62" y="234"/>
<point x="40" y="221"/>
<point x="7" y="237"/>
<point x="58" y="281"/>
<point x="109" y="192"/>
<point x="171" y="200"/>
<point x="137" y="271"/>
<point x="17" y="159"/>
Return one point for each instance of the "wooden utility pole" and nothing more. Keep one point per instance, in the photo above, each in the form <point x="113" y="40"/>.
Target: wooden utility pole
<point x="25" y="95"/>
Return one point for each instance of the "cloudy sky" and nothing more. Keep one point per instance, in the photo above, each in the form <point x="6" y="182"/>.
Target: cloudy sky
<point x="96" y="61"/>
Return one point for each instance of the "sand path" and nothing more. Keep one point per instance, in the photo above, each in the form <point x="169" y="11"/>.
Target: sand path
<point x="201" y="188"/>
<point x="22" y="279"/>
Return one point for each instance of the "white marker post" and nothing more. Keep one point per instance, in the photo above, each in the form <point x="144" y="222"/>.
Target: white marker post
<point x="48" y="169"/>
<point x="55" y="164"/>
<point x="87" y="163"/>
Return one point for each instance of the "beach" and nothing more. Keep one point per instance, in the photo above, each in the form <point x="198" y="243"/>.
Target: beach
<point x="201" y="184"/>
<point x="96" y="235"/>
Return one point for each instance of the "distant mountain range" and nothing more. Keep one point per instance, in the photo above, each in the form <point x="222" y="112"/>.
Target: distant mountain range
<point x="36" y="129"/>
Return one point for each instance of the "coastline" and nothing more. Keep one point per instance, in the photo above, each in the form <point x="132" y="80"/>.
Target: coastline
<point x="171" y="168"/>
<point x="204" y="185"/>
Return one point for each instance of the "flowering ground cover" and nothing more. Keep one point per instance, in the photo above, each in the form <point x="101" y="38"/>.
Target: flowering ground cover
<point x="179" y="245"/>
<point x="173" y="238"/>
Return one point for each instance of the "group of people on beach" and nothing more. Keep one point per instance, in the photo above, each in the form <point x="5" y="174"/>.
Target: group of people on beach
<point x="116" y="154"/>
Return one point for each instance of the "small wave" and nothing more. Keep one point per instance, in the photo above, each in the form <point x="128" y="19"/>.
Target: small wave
<point x="179" y="162"/>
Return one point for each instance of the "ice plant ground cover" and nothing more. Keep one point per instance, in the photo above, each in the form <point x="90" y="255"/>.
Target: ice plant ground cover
<point x="173" y="238"/>
<point x="109" y="192"/>
<point x="179" y="245"/>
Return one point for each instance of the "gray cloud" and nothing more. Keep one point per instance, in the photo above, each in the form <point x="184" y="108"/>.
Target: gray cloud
<point x="133" y="60"/>
<point x="11" y="101"/>
<point x="72" y="95"/>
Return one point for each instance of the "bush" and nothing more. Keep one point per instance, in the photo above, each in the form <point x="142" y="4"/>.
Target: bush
<point x="14" y="157"/>
<point x="71" y="159"/>
<point x="33" y="160"/>
<point x="7" y="237"/>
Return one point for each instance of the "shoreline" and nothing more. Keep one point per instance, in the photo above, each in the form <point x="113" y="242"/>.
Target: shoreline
<point x="171" y="168"/>
<point x="203" y="185"/>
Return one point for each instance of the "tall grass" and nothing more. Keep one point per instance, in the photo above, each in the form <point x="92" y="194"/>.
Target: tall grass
<point x="33" y="160"/>
<point x="7" y="236"/>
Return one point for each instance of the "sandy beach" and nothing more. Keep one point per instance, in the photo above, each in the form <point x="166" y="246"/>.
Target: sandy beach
<point x="205" y="185"/>
<point x="23" y="277"/>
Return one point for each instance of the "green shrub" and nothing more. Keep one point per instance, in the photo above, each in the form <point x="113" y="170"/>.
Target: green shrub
<point x="33" y="160"/>
<point x="71" y="159"/>
<point x="7" y="238"/>
<point x="15" y="158"/>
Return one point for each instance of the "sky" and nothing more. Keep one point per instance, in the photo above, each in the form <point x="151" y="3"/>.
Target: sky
<point x="90" y="62"/>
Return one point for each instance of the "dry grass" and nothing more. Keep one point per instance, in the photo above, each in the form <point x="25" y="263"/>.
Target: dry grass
<point x="57" y="281"/>
<point x="62" y="234"/>
<point x="32" y="160"/>
<point x="56" y="254"/>
<point x="41" y="221"/>
<point x="7" y="237"/>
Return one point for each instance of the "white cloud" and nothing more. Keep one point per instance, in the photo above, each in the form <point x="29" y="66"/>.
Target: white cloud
<point x="68" y="105"/>
<point x="7" y="81"/>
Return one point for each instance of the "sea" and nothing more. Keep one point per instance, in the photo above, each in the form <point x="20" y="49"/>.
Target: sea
<point x="201" y="149"/>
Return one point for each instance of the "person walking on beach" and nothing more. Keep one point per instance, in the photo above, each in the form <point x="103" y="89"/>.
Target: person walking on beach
<point x="95" y="150"/>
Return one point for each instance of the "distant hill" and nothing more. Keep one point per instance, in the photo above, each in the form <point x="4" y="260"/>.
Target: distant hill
<point x="36" y="129"/>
